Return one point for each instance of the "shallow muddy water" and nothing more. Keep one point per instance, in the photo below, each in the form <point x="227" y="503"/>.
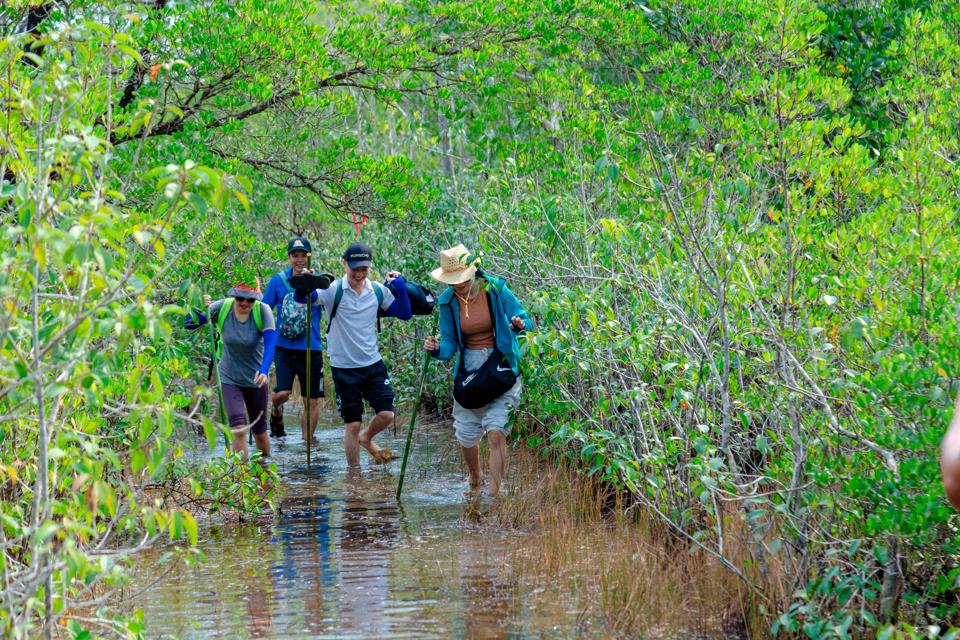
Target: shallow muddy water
<point x="344" y="560"/>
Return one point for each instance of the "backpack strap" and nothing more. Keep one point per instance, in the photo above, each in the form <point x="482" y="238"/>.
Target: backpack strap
<point x="225" y="307"/>
<point x="258" y="315"/>
<point x="222" y="318"/>
<point x="336" y="303"/>
<point x="377" y="289"/>
<point x="286" y="280"/>
<point x="461" y="342"/>
<point x="493" y="319"/>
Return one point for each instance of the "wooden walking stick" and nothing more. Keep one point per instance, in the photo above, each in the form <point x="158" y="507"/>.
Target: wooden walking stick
<point x="309" y="282"/>
<point x="416" y="408"/>
<point x="308" y="401"/>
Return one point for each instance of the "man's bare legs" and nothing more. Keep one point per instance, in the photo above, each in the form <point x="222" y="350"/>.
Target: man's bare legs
<point x="314" y="418"/>
<point x="280" y="397"/>
<point x="353" y="438"/>
<point x="351" y="444"/>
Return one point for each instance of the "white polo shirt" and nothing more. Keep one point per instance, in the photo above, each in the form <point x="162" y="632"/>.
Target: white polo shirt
<point x="352" y="341"/>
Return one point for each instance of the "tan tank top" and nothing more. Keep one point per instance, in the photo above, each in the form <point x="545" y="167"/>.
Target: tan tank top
<point x="475" y="323"/>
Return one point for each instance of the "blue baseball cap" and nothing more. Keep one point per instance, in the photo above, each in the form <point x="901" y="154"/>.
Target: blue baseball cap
<point x="298" y="244"/>
<point x="358" y="255"/>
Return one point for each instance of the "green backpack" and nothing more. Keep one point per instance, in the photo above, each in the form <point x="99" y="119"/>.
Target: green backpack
<point x="222" y="317"/>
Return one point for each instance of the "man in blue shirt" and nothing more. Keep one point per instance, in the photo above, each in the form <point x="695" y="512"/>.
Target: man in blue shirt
<point x="291" y="350"/>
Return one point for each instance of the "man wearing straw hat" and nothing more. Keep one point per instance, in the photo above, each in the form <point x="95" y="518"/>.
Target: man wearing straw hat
<point x="480" y="319"/>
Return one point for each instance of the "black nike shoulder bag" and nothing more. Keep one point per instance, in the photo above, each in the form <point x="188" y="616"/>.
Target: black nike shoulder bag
<point x="494" y="378"/>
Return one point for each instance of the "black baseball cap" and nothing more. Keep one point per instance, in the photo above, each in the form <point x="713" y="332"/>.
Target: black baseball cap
<point x="298" y="244"/>
<point x="358" y="255"/>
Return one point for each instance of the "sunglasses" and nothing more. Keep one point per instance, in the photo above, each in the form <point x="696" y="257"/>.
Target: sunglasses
<point x="242" y="299"/>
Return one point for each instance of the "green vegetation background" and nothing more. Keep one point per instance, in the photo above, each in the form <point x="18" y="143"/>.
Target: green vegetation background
<point x="734" y="223"/>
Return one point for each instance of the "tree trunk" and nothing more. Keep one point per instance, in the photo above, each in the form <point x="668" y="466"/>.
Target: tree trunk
<point x="892" y="581"/>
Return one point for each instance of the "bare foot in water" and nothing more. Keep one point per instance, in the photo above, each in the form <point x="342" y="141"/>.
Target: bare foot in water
<point x="379" y="454"/>
<point x="476" y="485"/>
<point x="367" y="443"/>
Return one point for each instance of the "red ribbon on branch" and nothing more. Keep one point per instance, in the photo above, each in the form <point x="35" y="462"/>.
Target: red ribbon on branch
<point x="359" y="222"/>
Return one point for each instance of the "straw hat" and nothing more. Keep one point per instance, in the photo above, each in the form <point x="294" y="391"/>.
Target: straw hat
<point x="244" y="290"/>
<point x="454" y="266"/>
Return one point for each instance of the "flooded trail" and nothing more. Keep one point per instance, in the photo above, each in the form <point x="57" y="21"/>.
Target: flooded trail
<point x="344" y="560"/>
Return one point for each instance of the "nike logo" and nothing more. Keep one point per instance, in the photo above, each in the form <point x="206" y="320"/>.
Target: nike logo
<point x="467" y="380"/>
<point x="500" y="368"/>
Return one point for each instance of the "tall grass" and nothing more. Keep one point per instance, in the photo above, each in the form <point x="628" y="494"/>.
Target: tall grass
<point x="631" y="575"/>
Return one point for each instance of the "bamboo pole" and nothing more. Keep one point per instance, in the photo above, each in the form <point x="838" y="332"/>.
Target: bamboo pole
<point x="416" y="409"/>
<point x="308" y="400"/>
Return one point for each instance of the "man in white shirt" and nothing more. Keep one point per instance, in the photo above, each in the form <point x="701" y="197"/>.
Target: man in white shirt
<point x="358" y="371"/>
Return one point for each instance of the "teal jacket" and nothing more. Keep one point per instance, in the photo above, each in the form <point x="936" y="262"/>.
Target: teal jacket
<point x="505" y="307"/>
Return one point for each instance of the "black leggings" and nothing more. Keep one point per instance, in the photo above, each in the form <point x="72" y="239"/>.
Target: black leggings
<point x="241" y="402"/>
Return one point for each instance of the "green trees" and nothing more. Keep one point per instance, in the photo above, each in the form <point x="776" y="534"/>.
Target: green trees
<point x="109" y="224"/>
<point x="89" y="399"/>
<point x="741" y="256"/>
<point x="87" y="418"/>
<point x="734" y="220"/>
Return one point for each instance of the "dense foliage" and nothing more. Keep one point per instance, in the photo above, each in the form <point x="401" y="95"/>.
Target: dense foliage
<point x="91" y="398"/>
<point x="732" y="221"/>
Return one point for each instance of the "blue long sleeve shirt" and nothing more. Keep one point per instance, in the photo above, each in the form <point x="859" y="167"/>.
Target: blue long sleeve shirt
<point x="400" y="308"/>
<point x="273" y="297"/>
<point x="269" y="347"/>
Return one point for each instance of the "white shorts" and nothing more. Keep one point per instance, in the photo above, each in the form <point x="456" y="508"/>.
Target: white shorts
<point x="470" y="424"/>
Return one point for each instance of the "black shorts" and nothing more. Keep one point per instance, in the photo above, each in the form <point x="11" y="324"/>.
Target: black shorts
<point x="293" y="362"/>
<point x="354" y="385"/>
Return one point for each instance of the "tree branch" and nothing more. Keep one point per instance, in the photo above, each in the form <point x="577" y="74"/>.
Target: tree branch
<point x="175" y="126"/>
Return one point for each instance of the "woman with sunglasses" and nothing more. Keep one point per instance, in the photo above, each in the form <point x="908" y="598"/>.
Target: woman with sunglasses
<point x="248" y="337"/>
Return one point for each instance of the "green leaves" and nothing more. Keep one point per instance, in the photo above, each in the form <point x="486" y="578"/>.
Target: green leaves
<point x="89" y="403"/>
<point x="769" y="256"/>
<point x="733" y="221"/>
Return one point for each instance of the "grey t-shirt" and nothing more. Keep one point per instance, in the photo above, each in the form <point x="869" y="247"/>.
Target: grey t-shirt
<point x="352" y="341"/>
<point x="242" y="345"/>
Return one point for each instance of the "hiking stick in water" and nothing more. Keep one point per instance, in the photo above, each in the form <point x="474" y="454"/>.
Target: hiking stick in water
<point x="416" y="408"/>
<point x="308" y="403"/>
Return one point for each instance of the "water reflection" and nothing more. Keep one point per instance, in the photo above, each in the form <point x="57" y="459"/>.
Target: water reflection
<point x="492" y="607"/>
<point x="342" y="560"/>
<point x="368" y="528"/>
<point x="306" y="570"/>
<point x="258" y="597"/>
